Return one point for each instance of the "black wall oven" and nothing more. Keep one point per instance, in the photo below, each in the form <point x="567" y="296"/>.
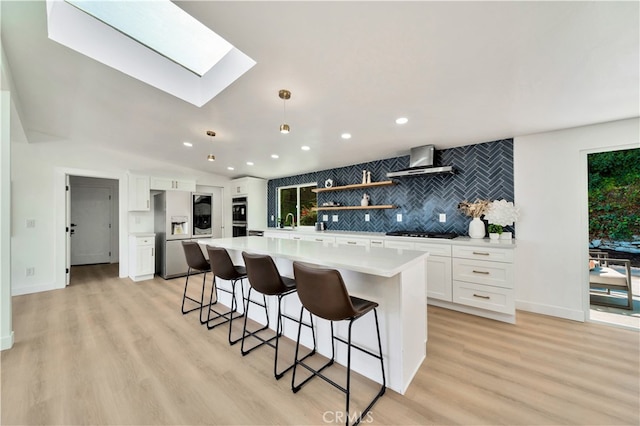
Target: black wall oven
<point x="239" y="216"/>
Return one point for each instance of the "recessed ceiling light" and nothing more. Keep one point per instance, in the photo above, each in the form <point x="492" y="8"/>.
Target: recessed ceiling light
<point x="249" y="163"/>
<point x="346" y="136"/>
<point x="402" y="120"/>
<point x="189" y="144"/>
<point x="275" y="156"/>
<point x="305" y="148"/>
<point x="230" y="168"/>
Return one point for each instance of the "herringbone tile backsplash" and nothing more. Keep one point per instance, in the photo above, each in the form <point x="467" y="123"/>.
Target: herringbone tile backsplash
<point x="483" y="171"/>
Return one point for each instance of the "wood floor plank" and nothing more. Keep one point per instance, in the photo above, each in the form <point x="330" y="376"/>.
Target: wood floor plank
<point x="108" y="351"/>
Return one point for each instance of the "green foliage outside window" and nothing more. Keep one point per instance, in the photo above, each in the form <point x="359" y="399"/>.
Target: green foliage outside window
<point x="614" y="195"/>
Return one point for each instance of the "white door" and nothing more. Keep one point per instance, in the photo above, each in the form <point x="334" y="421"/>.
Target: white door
<point x="90" y="225"/>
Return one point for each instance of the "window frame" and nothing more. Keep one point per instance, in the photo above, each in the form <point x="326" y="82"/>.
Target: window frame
<point x="298" y="210"/>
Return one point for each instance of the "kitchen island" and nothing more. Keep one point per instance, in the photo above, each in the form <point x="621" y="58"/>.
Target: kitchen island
<point x="394" y="278"/>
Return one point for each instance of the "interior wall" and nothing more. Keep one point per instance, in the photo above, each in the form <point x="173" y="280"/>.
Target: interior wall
<point x="38" y="185"/>
<point x="550" y="176"/>
<point x="483" y="170"/>
<point x="6" y="324"/>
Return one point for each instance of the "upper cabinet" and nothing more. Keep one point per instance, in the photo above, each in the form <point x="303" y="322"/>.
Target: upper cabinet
<point x="248" y="186"/>
<point x="168" y="184"/>
<point x="139" y="193"/>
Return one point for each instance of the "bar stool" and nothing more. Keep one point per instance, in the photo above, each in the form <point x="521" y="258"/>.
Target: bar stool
<point x="324" y="294"/>
<point x="265" y="279"/>
<point x="223" y="268"/>
<point x="196" y="261"/>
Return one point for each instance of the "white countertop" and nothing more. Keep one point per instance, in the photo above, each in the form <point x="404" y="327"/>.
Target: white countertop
<point x="462" y="240"/>
<point x="380" y="261"/>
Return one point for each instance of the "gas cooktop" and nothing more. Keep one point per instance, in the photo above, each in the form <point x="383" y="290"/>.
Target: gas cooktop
<point x="422" y="234"/>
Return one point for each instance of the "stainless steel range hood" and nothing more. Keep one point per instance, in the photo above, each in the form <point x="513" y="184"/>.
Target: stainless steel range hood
<point x="421" y="163"/>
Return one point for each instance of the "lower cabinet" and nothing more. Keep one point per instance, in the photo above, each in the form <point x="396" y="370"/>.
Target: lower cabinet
<point x="142" y="260"/>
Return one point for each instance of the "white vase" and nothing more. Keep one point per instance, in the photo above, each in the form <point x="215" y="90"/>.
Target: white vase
<point x="476" y="228"/>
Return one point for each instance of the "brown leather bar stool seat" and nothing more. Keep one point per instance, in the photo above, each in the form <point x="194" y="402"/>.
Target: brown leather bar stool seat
<point x="196" y="262"/>
<point x="264" y="278"/>
<point x="324" y="294"/>
<point x="222" y="267"/>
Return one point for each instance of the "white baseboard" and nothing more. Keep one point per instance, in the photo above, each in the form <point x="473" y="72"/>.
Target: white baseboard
<point x="6" y="342"/>
<point x="554" y="311"/>
<point x="29" y="289"/>
<point x="498" y="316"/>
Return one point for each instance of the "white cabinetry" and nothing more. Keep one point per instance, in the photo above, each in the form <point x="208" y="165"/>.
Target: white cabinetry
<point x="438" y="270"/>
<point x="438" y="266"/>
<point x="255" y="191"/>
<point x="142" y="261"/>
<point x="483" y="278"/>
<point x="139" y="194"/>
<point x="168" y="184"/>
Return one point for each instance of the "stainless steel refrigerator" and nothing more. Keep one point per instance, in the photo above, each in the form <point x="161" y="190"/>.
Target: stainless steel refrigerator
<point x="173" y="224"/>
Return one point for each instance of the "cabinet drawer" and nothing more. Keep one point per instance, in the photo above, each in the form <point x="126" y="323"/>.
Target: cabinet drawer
<point x="483" y="253"/>
<point x="484" y="297"/>
<point x="352" y="241"/>
<point x="376" y="243"/>
<point x="145" y="241"/>
<point x="490" y="273"/>
<point x="319" y="239"/>
<point x="398" y="244"/>
<point x="434" y="249"/>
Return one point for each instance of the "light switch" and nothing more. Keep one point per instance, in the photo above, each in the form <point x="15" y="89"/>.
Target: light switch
<point x="272" y="218"/>
<point x="334" y="218"/>
<point x="366" y="217"/>
<point x="325" y="217"/>
<point x="399" y="217"/>
<point x="442" y="217"/>
<point x="31" y="223"/>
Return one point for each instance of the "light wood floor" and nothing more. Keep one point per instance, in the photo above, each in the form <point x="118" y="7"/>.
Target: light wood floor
<point x="110" y="351"/>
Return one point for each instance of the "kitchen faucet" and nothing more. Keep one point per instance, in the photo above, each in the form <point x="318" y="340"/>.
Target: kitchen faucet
<point x="293" y="220"/>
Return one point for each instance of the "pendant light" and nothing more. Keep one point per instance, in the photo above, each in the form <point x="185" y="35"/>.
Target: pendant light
<point x="284" y="95"/>
<point x="211" y="157"/>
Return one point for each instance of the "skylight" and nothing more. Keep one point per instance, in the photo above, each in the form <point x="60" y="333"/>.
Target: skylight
<point x="153" y="41"/>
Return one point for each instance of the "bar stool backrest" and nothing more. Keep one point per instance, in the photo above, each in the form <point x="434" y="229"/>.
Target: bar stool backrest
<point x="322" y="292"/>
<point x="221" y="263"/>
<point x="194" y="256"/>
<point x="263" y="274"/>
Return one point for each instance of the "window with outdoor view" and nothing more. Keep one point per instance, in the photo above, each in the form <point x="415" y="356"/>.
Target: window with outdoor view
<point x="295" y="205"/>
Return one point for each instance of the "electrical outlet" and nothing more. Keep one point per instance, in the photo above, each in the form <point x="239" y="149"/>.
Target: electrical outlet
<point x="325" y="217"/>
<point x="399" y="217"/>
<point x="272" y="218"/>
<point x="367" y="218"/>
<point x="31" y="223"/>
<point x="442" y="217"/>
<point x="30" y="271"/>
<point x="334" y="218"/>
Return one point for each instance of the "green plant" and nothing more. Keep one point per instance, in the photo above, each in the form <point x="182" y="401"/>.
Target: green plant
<point x="494" y="228"/>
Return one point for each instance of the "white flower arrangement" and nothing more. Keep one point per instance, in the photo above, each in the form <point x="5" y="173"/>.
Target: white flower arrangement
<point x="501" y="213"/>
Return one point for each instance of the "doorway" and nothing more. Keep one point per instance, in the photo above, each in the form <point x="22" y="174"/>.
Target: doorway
<point x="93" y="222"/>
<point x="614" y="236"/>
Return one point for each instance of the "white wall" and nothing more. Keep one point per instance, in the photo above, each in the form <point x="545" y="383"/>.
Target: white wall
<point x="6" y="326"/>
<point x="38" y="171"/>
<point x="550" y="174"/>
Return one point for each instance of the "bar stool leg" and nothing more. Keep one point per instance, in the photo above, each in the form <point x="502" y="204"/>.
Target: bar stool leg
<point x="244" y="351"/>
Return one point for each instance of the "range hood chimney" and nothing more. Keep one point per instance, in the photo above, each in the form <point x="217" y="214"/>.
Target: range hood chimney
<point x="421" y="163"/>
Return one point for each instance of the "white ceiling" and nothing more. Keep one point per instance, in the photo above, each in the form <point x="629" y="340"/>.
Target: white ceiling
<point x="462" y="72"/>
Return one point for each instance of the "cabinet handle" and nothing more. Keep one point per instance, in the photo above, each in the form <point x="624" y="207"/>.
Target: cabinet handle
<point x="147" y="203"/>
<point x="319" y="239"/>
<point x="351" y="242"/>
<point x="481" y="253"/>
<point x="480" y="272"/>
<point x="481" y="296"/>
<point x="152" y="252"/>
